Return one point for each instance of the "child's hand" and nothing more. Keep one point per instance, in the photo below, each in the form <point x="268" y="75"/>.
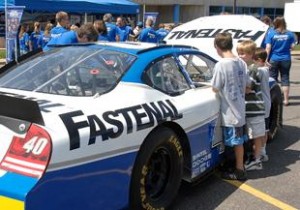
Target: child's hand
<point x="268" y="64"/>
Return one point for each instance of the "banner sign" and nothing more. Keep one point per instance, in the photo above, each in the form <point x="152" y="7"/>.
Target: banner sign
<point x="13" y="18"/>
<point x="152" y="15"/>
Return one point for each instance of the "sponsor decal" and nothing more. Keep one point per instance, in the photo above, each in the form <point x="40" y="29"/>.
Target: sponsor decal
<point x="111" y="124"/>
<point x="201" y="162"/>
<point x="211" y="33"/>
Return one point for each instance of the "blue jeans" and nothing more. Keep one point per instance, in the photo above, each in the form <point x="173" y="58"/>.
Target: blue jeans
<point x="282" y="67"/>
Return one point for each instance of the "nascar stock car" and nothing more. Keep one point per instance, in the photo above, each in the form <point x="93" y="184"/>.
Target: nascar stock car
<point x="106" y="126"/>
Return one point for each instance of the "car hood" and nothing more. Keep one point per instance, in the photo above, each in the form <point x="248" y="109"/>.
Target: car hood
<point x="200" y="32"/>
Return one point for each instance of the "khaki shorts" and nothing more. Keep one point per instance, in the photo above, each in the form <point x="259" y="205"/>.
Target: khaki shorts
<point x="256" y="126"/>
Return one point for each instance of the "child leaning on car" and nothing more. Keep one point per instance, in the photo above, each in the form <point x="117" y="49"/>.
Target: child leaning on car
<point x="255" y="105"/>
<point x="229" y="81"/>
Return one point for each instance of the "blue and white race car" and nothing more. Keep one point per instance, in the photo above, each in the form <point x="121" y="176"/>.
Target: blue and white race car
<point x="106" y="126"/>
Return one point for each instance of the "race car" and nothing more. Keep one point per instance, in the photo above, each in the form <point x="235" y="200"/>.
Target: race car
<point x="106" y="126"/>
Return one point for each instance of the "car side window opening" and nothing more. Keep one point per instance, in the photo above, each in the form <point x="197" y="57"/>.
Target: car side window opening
<point x="199" y="68"/>
<point x="74" y="71"/>
<point x="165" y="75"/>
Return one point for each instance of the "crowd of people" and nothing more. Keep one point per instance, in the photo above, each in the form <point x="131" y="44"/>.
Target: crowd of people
<point x="107" y="30"/>
<point x="242" y="83"/>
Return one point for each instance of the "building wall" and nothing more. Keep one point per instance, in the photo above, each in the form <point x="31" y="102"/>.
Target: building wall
<point x="191" y="9"/>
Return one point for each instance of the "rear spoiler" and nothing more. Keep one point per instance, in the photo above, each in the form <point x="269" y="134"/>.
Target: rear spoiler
<point x="21" y="109"/>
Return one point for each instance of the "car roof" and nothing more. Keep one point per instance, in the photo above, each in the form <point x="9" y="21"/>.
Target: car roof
<point x="131" y="47"/>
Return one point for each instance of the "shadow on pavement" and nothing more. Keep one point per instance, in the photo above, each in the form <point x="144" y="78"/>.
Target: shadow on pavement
<point x="281" y="154"/>
<point x="207" y="193"/>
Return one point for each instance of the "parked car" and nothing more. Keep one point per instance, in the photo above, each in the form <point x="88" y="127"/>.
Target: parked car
<point x="106" y="126"/>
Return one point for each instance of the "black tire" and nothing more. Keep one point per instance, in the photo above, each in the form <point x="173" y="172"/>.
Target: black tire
<point x="157" y="172"/>
<point x="276" y="112"/>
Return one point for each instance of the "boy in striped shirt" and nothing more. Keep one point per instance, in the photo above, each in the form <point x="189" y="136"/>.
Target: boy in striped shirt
<point x="255" y="107"/>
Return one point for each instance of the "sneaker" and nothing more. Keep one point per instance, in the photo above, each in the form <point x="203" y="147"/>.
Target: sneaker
<point x="235" y="175"/>
<point x="264" y="158"/>
<point x="254" y="165"/>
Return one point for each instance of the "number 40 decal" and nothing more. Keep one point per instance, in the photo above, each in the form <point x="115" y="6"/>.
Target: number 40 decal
<point x="35" y="145"/>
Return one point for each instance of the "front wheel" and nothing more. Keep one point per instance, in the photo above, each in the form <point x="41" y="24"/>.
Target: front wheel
<point x="157" y="172"/>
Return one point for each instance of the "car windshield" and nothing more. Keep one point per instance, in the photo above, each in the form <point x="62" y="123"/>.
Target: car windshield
<point x="73" y="71"/>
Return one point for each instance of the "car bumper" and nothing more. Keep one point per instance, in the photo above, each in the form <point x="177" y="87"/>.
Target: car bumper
<point x="9" y="203"/>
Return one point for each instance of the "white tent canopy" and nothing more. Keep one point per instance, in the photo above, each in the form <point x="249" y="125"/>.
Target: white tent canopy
<point x="201" y="32"/>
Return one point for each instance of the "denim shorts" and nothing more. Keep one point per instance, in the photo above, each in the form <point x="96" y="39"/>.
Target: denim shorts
<point x="234" y="136"/>
<point x="282" y="68"/>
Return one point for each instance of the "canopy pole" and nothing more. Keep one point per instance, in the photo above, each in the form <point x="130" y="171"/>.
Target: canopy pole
<point x="144" y="12"/>
<point x="85" y="18"/>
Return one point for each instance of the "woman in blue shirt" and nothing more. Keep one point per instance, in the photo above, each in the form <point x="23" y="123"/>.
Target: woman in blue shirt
<point x="279" y="43"/>
<point x="45" y="38"/>
<point x="24" y="39"/>
<point x="35" y="35"/>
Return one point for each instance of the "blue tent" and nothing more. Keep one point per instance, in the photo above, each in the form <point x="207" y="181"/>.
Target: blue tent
<point x="79" y="6"/>
<point x="8" y="3"/>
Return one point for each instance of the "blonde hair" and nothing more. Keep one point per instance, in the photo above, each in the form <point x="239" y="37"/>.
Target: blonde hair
<point x="60" y="16"/>
<point x="48" y="28"/>
<point x="247" y="47"/>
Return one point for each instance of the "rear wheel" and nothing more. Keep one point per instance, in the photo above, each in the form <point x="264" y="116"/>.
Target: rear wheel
<point x="157" y="172"/>
<point x="276" y="112"/>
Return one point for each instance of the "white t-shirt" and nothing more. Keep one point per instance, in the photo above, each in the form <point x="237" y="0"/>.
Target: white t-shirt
<point x="230" y="78"/>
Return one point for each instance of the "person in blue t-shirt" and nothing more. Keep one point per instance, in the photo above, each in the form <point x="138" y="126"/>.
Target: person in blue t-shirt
<point x="268" y="21"/>
<point x="112" y="29"/>
<point x="24" y="39"/>
<point x="86" y="33"/>
<point x="34" y="36"/>
<point x="148" y="34"/>
<point x="124" y="29"/>
<point x="45" y="38"/>
<point x="279" y="43"/>
<point x="162" y="31"/>
<point x="100" y="26"/>
<point x="62" y="20"/>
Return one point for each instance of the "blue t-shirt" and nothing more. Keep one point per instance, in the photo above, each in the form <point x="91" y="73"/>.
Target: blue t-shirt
<point x="112" y="31"/>
<point x="69" y="37"/>
<point x="280" y="45"/>
<point x="57" y="31"/>
<point x="24" y="43"/>
<point x="162" y="33"/>
<point x="124" y="32"/>
<point x="148" y="35"/>
<point x="103" y="37"/>
<point x="43" y="40"/>
<point x="34" y="38"/>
